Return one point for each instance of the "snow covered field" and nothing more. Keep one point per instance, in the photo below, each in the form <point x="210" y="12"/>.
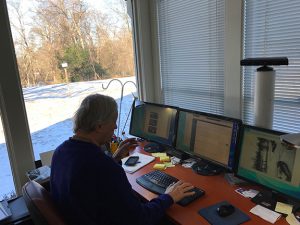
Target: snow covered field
<point x="50" y="109"/>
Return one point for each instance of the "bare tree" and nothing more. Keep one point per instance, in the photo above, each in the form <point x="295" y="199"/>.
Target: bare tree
<point x="23" y="44"/>
<point x="57" y="25"/>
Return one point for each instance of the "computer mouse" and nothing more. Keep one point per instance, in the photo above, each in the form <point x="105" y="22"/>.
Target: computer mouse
<point x="225" y="210"/>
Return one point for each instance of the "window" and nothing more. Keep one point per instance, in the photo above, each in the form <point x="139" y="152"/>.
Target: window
<point x="191" y="49"/>
<point x="272" y="29"/>
<point x="65" y="51"/>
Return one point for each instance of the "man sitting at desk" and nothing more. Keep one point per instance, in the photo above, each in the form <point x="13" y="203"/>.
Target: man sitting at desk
<point x="90" y="187"/>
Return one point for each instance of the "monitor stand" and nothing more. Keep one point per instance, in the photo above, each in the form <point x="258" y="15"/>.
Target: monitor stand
<point x="153" y="147"/>
<point x="206" y="168"/>
<point x="268" y="199"/>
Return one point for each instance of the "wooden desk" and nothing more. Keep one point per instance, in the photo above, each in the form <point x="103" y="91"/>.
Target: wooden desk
<point x="216" y="187"/>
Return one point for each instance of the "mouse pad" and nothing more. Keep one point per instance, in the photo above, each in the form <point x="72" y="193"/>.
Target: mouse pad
<point x="211" y="215"/>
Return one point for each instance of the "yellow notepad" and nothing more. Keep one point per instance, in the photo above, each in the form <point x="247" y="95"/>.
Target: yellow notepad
<point x="283" y="208"/>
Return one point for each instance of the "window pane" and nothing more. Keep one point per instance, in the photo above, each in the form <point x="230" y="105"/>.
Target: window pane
<point x="191" y="48"/>
<point x="67" y="50"/>
<point x="7" y="187"/>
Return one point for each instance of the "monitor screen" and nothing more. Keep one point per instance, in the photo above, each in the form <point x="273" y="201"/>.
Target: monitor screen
<point x="154" y="122"/>
<point x="266" y="161"/>
<point x="210" y="137"/>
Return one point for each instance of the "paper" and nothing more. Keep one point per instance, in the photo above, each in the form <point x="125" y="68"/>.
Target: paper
<point x="188" y="163"/>
<point x="159" y="154"/>
<point x="265" y="213"/>
<point x="291" y="219"/>
<point x="175" y="160"/>
<point x="143" y="160"/>
<point x="247" y="193"/>
<point x="283" y="208"/>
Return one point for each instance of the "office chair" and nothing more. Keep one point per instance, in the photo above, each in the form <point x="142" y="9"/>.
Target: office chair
<point x="40" y="205"/>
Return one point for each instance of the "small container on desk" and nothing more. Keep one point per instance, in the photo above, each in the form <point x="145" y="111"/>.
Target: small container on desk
<point x="114" y="144"/>
<point x="113" y="147"/>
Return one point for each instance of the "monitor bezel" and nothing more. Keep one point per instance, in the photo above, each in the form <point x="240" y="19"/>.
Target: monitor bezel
<point x="150" y="140"/>
<point x="271" y="131"/>
<point x="231" y="119"/>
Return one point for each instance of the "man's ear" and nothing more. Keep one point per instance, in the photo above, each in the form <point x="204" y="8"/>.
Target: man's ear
<point x="99" y="128"/>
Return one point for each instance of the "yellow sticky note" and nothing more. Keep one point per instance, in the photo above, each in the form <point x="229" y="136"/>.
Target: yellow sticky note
<point x="283" y="208"/>
<point x="168" y="164"/>
<point x="159" y="166"/>
<point x="291" y="219"/>
<point x="164" y="159"/>
<point x="159" y="154"/>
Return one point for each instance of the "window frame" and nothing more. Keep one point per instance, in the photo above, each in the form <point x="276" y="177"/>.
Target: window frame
<point x="13" y="113"/>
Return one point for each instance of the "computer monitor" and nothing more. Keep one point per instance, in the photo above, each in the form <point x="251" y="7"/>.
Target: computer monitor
<point x="264" y="160"/>
<point x="211" y="137"/>
<point x="155" y="123"/>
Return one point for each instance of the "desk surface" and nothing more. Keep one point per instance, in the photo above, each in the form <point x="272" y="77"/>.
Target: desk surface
<point x="216" y="187"/>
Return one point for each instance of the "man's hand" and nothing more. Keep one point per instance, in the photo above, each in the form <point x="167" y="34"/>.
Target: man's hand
<point x="179" y="190"/>
<point x="124" y="148"/>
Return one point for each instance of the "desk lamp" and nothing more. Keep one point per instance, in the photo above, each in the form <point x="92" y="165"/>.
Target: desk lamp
<point x="264" y="88"/>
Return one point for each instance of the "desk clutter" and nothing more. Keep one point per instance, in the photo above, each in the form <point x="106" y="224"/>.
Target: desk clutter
<point x="281" y="209"/>
<point x="266" y="214"/>
<point x="210" y="213"/>
<point x="250" y="154"/>
<point x="164" y="159"/>
<point x="40" y="174"/>
<point x="5" y="211"/>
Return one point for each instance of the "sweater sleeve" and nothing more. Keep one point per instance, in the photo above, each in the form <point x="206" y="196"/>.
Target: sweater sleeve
<point x="124" y="203"/>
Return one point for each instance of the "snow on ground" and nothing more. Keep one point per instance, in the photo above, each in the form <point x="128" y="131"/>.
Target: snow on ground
<point x="50" y="110"/>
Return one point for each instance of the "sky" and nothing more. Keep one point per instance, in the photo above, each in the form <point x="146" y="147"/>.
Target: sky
<point x="25" y="6"/>
<point x="50" y="110"/>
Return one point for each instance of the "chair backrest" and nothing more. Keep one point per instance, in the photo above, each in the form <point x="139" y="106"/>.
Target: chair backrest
<point x="40" y="205"/>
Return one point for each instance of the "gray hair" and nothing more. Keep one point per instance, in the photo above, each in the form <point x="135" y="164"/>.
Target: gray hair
<point x="94" y="109"/>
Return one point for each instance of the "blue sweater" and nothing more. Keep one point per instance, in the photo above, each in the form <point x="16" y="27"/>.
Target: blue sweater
<point x="89" y="187"/>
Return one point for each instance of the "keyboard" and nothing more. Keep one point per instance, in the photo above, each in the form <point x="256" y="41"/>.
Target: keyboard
<point x="158" y="181"/>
